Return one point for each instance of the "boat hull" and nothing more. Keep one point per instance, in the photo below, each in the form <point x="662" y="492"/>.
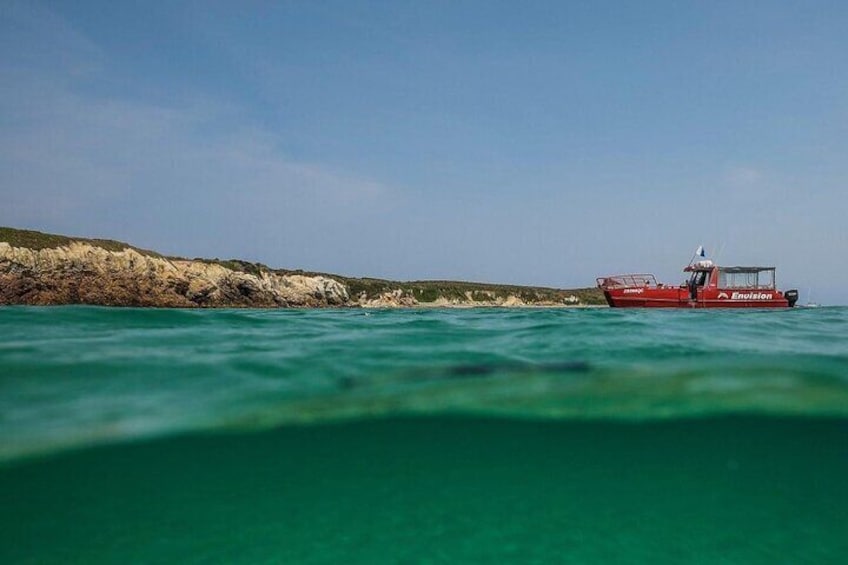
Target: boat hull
<point x="680" y="298"/>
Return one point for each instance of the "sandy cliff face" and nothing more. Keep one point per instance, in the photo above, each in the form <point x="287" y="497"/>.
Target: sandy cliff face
<point x="392" y="299"/>
<point x="80" y="273"/>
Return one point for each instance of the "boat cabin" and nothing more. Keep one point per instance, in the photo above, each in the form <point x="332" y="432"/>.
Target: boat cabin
<point x="705" y="275"/>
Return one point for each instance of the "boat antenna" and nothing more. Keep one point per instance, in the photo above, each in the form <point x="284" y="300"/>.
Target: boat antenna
<point x="718" y="253"/>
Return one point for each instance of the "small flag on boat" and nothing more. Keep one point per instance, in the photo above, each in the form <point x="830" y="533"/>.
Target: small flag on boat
<point x="700" y="251"/>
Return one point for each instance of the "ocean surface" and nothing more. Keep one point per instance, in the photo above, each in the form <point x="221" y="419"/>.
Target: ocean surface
<point x="423" y="436"/>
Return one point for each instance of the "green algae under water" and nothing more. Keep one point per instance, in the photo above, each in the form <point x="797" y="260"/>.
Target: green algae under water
<point x="547" y="436"/>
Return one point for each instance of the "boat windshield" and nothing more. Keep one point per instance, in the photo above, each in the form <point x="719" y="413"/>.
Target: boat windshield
<point x="699" y="278"/>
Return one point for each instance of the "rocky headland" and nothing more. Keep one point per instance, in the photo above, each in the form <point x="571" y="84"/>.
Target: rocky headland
<point x="45" y="269"/>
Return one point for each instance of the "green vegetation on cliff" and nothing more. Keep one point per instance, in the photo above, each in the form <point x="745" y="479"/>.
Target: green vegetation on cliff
<point x="36" y="240"/>
<point x="471" y="292"/>
<point x="236" y="265"/>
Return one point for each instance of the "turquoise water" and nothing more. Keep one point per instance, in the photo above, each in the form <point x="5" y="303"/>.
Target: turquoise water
<point x="423" y="436"/>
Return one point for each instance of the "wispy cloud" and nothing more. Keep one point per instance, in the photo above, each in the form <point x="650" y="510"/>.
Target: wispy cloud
<point x="743" y="176"/>
<point x="36" y="40"/>
<point x="754" y="185"/>
<point x="70" y="157"/>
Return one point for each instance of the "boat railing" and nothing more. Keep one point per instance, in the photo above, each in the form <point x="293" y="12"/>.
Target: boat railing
<point x="627" y="281"/>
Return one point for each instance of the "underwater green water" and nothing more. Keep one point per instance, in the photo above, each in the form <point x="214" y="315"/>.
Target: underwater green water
<point x="423" y="436"/>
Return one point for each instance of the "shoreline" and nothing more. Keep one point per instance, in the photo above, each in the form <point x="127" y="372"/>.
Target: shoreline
<point x="462" y="306"/>
<point x="47" y="269"/>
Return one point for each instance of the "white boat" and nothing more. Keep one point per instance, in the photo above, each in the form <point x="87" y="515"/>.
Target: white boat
<point x="810" y="303"/>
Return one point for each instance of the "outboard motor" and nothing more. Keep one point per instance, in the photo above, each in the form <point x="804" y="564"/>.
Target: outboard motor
<point x="791" y="296"/>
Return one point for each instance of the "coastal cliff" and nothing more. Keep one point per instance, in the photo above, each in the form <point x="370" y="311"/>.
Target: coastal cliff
<point x="83" y="273"/>
<point x="44" y="269"/>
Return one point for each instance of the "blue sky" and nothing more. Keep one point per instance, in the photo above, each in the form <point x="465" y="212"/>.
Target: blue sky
<point x="533" y="143"/>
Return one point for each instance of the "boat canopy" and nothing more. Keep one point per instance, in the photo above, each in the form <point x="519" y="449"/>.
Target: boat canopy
<point x="746" y="269"/>
<point x="746" y="277"/>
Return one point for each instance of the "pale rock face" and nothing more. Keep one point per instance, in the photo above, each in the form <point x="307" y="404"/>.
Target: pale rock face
<point x="83" y="256"/>
<point x="83" y="273"/>
<point x="390" y="299"/>
<point x="512" y="301"/>
<point x="321" y="289"/>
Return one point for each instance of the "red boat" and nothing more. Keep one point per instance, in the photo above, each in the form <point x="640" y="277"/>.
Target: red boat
<point x="709" y="286"/>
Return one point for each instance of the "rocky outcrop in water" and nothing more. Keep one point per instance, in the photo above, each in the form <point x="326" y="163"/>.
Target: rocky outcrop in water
<point x="81" y="273"/>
